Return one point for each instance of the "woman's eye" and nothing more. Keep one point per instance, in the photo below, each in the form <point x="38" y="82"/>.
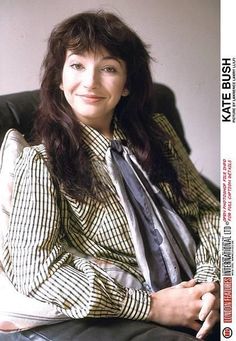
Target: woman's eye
<point x="77" y="66"/>
<point x="110" y="69"/>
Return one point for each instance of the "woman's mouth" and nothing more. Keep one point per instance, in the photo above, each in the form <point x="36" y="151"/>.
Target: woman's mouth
<point x="91" y="98"/>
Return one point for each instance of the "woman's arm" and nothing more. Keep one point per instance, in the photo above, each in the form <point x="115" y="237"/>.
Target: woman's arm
<point x="204" y="217"/>
<point x="38" y="265"/>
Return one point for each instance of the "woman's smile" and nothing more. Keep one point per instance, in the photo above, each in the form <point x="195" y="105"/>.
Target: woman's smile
<point x="91" y="99"/>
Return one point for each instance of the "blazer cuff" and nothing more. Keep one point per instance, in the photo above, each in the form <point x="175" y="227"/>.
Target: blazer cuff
<point x="136" y="305"/>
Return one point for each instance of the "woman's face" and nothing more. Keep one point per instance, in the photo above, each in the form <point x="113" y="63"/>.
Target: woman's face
<point x="93" y="85"/>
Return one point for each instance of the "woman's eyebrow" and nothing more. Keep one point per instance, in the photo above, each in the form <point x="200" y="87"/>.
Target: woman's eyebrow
<point x="104" y="58"/>
<point x="112" y="57"/>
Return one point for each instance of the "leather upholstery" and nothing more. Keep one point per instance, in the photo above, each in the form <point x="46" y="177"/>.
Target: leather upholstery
<point x="18" y="111"/>
<point x="100" y="330"/>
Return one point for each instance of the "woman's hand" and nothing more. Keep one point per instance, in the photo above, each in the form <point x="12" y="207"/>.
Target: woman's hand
<point x="210" y="311"/>
<point x="182" y="304"/>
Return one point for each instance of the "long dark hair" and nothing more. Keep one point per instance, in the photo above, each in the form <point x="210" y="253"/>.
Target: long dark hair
<point x="57" y="125"/>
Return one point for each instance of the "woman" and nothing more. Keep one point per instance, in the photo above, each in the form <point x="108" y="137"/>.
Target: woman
<point x="75" y="237"/>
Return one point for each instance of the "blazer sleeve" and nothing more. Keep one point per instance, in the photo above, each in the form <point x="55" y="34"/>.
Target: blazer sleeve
<point x="200" y="208"/>
<point x="38" y="264"/>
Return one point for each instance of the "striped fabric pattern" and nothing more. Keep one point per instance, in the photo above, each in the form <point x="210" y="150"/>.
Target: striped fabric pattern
<point x="44" y="224"/>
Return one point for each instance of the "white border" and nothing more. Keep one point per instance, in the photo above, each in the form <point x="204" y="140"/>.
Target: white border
<point x="228" y="153"/>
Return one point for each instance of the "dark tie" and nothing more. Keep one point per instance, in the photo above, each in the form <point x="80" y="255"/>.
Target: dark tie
<point x="143" y="210"/>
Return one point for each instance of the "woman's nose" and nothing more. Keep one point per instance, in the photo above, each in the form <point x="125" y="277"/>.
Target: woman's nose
<point x="90" y="79"/>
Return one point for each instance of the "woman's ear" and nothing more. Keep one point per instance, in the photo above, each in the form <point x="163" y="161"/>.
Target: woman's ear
<point x="61" y="87"/>
<point x="125" y="92"/>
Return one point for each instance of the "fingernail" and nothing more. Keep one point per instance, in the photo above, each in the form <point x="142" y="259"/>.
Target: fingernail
<point x="199" y="336"/>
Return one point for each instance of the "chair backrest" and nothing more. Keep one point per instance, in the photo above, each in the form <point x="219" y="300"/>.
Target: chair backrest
<point x="18" y="111"/>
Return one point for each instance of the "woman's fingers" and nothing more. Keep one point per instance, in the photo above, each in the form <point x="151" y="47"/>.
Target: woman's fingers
<point x="208" y="324"/>
<point x="210" y="302"/>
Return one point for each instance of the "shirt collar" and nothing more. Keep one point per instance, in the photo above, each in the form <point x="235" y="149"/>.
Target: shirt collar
<point x="96" y="143"/>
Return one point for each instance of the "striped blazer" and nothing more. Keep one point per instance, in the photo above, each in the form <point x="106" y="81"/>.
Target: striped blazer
<point x="46" y="224"/>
